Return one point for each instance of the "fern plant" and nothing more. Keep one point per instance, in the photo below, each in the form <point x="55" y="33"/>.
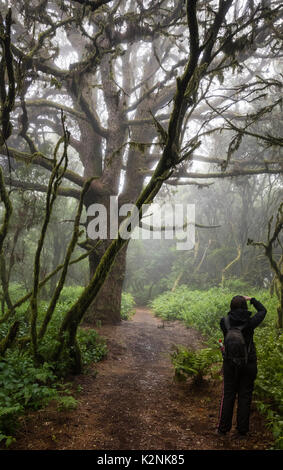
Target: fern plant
<point x="127" y="306"/>
<point x="195" y="364"/>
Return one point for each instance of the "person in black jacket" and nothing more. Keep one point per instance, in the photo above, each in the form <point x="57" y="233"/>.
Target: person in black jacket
<point x="239" y="381"/>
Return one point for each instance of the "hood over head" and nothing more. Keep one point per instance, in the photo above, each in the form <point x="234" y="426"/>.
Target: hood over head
<point x="239" y="315"/>
<point x="238" y="301"/>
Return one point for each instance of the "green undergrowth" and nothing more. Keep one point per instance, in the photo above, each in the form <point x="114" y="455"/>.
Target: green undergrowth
<point x="203" y="310"/>
<point x="127" y="306"/>
<point x="23" y="386"/>
<point x="27" y="386"/>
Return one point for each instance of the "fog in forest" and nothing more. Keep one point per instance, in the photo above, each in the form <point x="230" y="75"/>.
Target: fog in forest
<point x="112" y="106"/>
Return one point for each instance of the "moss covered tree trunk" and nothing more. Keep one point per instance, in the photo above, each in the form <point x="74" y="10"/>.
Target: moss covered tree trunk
<point x="107" y="305"/>
<point x="280" y="308"/>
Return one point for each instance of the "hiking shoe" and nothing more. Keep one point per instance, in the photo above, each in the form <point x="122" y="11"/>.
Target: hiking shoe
<point x="220" y="433"/>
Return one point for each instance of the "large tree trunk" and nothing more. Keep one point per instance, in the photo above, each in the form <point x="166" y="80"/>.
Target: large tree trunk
<point x="107" y="305"/>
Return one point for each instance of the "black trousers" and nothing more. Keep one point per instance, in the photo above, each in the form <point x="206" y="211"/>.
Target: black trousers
<point x="237" y="383"/>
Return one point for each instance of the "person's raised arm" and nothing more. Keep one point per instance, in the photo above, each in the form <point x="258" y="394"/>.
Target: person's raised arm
<point x="261" y="312"/>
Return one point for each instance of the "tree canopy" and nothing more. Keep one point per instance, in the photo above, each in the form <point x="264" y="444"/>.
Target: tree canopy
<point x="123" y="98"/>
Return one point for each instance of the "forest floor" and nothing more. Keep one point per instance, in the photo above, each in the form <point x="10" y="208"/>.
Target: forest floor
<point x="134" y="402"/>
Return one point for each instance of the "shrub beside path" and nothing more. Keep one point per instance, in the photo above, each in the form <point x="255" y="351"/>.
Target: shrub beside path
<point x="134" y="403"/>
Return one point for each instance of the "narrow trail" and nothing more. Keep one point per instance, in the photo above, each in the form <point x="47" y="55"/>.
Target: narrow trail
<point x="133" y="402"/>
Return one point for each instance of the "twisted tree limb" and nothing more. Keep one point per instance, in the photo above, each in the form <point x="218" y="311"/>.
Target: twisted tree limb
<point x="53" y="185"/>
<point x="276" y="266"/>
<point x="7" y="100"/>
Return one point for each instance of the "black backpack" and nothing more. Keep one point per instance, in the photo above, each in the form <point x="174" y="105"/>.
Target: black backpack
<point x="236" y="349"/>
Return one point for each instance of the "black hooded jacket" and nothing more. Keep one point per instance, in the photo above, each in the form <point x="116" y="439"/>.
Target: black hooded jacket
<point x="239" y="317"/>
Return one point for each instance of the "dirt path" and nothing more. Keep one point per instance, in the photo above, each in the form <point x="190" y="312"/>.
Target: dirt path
<point x="133" y="402"/>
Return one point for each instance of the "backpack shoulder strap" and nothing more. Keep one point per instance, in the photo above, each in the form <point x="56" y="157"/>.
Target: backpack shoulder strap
<point x="227" y="323"/>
